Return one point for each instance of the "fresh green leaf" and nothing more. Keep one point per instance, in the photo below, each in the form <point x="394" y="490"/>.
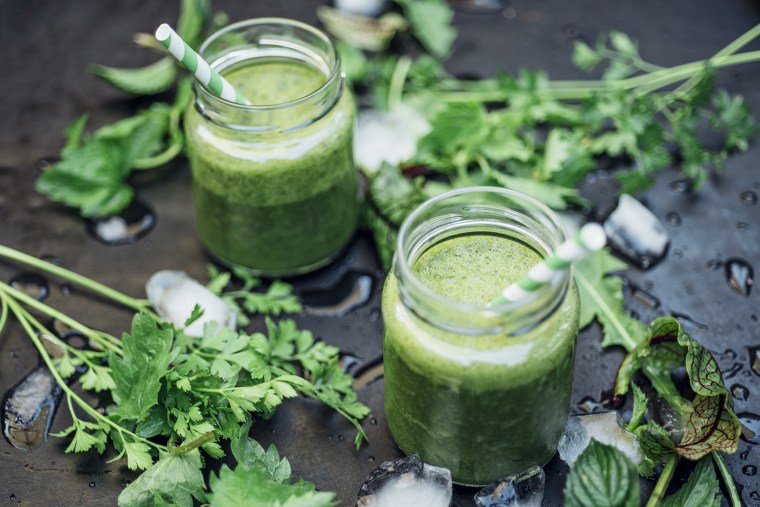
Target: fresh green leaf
<point x="138" y="455"/>
<point x="639" y="408"/>
<point x="175" y="479"/>
<point x="431" y="24"/>
<point x="250" y="455"/>
<point x="602" y="476"/>
<point x="97" y="378"/>
<point x="194" y="17"/>
<point x="257" y="488"/>
<point x="149" y="80"/>
<point x="601" y="297"/>
<point x="623" y="44"/>
<point x="74" y="134"/>
<point x="584" y="57"/>
<point x="139" y="372"/>
<point x="701" y="490"/>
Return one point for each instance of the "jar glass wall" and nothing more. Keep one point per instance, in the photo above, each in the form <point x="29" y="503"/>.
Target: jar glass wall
<point x="481" y="390"/>
<point x="274" y="184"/>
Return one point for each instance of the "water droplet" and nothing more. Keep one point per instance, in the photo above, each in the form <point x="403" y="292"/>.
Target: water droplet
<point x="754" y="359"/>
<point x="750" y="470"/>
<point x="127" y="227"/>
<point x="749" y="198"/>
<point x="341" y="438"/>
<point x="373" y="421"/>
<point x="754" y="317"/>
<point x="92" y="484"/>
<point x="728" y="354"/>
<point x="13" y="497"/>
<point x="750" y="427"/>
<point x="349" y="362"/>
<point x="754" y="496"/>
<point x="732" y="371"/>
<point x="66" y="289"/>
<point x="329" y="437"/>
<point x="683" y="186"/>
<point x="740" y="276"/>
<point x="678" y="253"/>
<point x="646" y="299"/>
<point x="673" y="219"/>
<point x="371" y="459"/>
<point x="714" y="264"/>
<point x="29" y="408"/>
<point x="740" y="392"/>
<point x="742" y="226"/>
<point x="590" y="405"/>
<point x="350" y="292"/>
<point x="743" y="456"/>
<point x="689" y="323"/>
<point x="375" y="314"/>
<point x="32" y="285"/>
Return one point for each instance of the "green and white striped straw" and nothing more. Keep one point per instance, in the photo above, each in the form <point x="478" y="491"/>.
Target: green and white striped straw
<point x="200" y="68"/>
<point x="589" y="238"/>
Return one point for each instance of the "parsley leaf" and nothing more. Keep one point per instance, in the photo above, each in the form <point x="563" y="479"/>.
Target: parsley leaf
<point x="137" y="374"/>
<point x="175" y="479"/>
<point x="250" y="455"/>
<point x="254" y="487"/>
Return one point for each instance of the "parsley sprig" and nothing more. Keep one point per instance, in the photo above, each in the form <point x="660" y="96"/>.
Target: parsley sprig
<point x="175" y="396"/>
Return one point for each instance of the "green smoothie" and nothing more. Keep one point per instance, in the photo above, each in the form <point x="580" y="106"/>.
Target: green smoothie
<point x="484" y="406"/>
<point x="278" y="201"/>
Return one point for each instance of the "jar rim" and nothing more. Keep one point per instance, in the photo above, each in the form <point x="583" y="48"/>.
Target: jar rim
<point x="406" y="276"/>
<point x="335" y="69"/>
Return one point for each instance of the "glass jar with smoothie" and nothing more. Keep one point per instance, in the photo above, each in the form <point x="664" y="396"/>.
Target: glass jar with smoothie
<point x="274" y="183"/>
<point x="481" y="390"/>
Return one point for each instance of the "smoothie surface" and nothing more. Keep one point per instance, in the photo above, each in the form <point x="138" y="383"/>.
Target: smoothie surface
<point x="474" y="269"/>
<point x="271" y="82"/>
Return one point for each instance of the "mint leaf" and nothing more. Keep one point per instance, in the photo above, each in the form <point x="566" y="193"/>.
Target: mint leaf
<point x="175" y="479"/>
<point x="701" y="490"/>
<point x="602" y="477"/>
<point x="229" y="487"/>
<point x="138" y="373"/>
<point x="194" y="16"/>
<point x="149" y="80"/>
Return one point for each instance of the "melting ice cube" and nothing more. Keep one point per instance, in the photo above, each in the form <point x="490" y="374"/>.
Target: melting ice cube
<point x="174" y="295"/>
<point x="388" y="136"/>
<point x="604" y="428"/>
<point x="406" y="482"/>
<point x="525" y="489"/>
<point x="633" y="231"/>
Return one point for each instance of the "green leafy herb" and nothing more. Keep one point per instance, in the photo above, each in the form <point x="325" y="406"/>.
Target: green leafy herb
<point x="174" y="479"/>
<point x="250" y="455"/>
<point x="431" y="24"/>
<point x="277" y="299"/>
<point x="257" y="488"/>
<point x="149" y="80"/>
<point x="602" y="298"/>
<point x="700" y="490"/>
<point x="602" y="476"/>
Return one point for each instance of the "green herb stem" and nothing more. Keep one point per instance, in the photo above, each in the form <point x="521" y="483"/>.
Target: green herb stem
<point x="663" y="481"/>
<point x="171" y="151"/>
<point x="106" y="340"/>
<point x="728" y="479"/>
<point x="398" y="79"/>
<point x="82" y="281"/>
<point x="189" y="446"/>
<point x="19" y="312"/>
<point x="578" y="90"/>
<point x="3" y="313"/>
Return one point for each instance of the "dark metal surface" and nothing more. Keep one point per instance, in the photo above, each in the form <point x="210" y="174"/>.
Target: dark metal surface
<point x="45" y="47"/>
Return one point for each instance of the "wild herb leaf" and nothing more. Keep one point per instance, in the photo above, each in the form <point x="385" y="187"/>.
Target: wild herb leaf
<point x="138" y="373"/>
<point x="431" y="24"/>
<point x="175" y="479"/>
<point x="255" y="485"/>
<point x="701" y="490"/>
<point x="194" y="17"/>
<point x="149" y="80"/>
<point x="250" y="455"/>
<point x="601" y="297"/>
<point x="602" y="477"/>
<point x="639" y="408"/>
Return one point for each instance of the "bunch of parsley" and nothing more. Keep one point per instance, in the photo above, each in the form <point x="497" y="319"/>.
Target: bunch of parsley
<point x="177" y="398"/>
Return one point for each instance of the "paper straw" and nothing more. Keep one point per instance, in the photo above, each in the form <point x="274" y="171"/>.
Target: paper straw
<point x="589" y="238"/>
<point x="200" y="68"/>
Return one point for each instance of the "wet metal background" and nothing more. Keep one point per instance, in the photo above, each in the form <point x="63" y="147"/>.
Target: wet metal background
<point x="46" y="46"/>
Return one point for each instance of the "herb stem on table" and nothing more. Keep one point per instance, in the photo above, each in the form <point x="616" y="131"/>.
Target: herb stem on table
<point x="663" y="481"/>
<point x="82" y="281"/>
<point x="728" y="479"/>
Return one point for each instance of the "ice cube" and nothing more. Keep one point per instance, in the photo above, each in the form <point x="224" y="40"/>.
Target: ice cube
<point x="406" y="482"/>
<point x="174" y="295"/>
<point x="388" y="136"/>
<point x="362" y="7"/>
<point x="603" y="427"/>
<point x="524" y="489"/>
<point x="634" y="232"/>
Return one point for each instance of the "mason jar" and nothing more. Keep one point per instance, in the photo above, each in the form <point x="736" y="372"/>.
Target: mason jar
<point x="274" y="183"/>
<point x="479" y="389"/>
